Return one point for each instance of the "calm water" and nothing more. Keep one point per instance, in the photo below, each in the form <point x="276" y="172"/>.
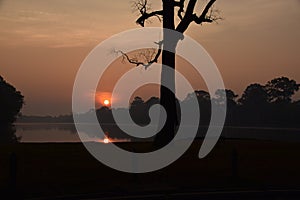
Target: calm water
<point x="64" y="132"/>
<point x="39" y="132"/>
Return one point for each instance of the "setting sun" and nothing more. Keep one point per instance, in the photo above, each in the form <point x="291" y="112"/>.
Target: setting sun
<point x="106" y="102"/>
<point x="106" y="141"/>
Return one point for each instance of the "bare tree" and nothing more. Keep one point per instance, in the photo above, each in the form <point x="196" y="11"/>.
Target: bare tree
<point x="186" y="14"/>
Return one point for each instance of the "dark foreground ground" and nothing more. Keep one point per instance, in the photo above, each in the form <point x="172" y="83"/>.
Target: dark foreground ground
<point x="261" y="170"/>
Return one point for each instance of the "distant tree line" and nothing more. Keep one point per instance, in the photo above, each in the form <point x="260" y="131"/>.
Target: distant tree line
<point x="268" y="105"/>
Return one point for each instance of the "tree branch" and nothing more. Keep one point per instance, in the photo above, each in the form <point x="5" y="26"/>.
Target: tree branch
<point x="142" y="6"/>
<point x="208" y="15"/>
<point x="179" y="4"/>
<point x="141" y="20"/>
<point x="145" y="58"/>
<point x="205" y="17"/>
<point x="188" y="17"/>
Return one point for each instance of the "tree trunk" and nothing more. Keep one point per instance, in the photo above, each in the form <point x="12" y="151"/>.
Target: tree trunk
<point x="167" y="97"/>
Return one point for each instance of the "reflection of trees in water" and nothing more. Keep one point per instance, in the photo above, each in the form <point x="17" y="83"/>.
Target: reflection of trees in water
<point x="113" y="131"/>
<point x="43" y="126"/>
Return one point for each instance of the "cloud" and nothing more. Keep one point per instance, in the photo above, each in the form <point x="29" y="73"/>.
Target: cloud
<point x="62" y="23"/>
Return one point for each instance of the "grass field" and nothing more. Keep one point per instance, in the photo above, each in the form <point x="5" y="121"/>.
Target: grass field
<point x="45" y="170"/>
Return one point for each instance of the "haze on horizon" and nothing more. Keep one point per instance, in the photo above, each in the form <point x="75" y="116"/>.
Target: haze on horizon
<point x="44" y="42"/>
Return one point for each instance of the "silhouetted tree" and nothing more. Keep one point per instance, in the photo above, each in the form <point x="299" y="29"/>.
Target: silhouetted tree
<point x="254" y="106"/>
<point x="204" y="102"/>
<point x="280" y="90"/>
<point x="202" y="95"/>
<point x="152" y="101"/>
<point x="229" y="97"/>
<point x="254" y="95"/>
<point x="11" y="102"/>
<point x="137" y="101"/>
<point x="226" y="95"/>
<point x="186" y="15"/>
<point x="138" y="110"/>
<point x="281" y="110"/>
<point x="104" y="115"/>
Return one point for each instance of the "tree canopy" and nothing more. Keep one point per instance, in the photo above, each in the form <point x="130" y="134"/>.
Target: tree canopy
<point x="11" y="102"/>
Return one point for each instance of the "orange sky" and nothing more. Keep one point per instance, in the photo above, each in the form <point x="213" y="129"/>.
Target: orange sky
<point x="42" y="43"/>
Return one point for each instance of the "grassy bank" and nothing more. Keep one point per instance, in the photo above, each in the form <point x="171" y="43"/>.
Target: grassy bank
<point x="65" y="169"/>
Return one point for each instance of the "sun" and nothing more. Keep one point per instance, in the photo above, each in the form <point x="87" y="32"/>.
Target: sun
<point x="106" y="141"/>
<point x="106" y="102"/>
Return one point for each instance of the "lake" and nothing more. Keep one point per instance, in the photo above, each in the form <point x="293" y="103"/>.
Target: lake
<point x="59" y="132"/>
<point x="66" y="132"/>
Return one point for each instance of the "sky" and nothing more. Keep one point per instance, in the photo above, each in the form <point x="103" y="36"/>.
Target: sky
<point x="44" y="42"/>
